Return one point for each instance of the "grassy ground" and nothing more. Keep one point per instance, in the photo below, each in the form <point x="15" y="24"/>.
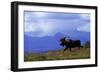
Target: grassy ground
<point x="82" y="53"/>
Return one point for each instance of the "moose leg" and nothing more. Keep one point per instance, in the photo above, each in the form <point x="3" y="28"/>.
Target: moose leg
<point x="70" y="48"/>
<point x="79" y="47"/>
<point x="65" y="49"/>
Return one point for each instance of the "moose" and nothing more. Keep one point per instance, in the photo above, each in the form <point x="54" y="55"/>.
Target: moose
<point x="69" y="43"/>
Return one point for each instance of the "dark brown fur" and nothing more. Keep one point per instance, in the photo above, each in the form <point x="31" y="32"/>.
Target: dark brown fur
<point x="69" y="43"/>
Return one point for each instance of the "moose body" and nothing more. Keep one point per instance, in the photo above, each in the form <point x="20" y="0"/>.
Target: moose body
<point x="70" y="43"/>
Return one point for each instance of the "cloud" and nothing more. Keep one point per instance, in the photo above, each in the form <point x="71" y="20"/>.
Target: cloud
<point x="85" y="16"/>
<point x="85" y="28"/>
<point x="48" y="24"/>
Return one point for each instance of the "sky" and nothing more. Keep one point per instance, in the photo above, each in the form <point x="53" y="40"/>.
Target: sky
<point x="40" y="24"/>
<point x="43" y="30"/>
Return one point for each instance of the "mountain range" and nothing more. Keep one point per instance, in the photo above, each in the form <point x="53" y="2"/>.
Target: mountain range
<point x="49" y="43"/>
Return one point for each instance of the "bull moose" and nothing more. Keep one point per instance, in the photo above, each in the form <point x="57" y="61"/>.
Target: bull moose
<point x="69" y="43"/>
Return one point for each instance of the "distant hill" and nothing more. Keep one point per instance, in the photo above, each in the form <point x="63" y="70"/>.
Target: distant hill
<point x="47" y="43"/>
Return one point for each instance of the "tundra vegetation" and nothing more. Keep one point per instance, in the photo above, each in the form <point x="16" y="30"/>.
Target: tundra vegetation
<point x="82" y="53"/>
